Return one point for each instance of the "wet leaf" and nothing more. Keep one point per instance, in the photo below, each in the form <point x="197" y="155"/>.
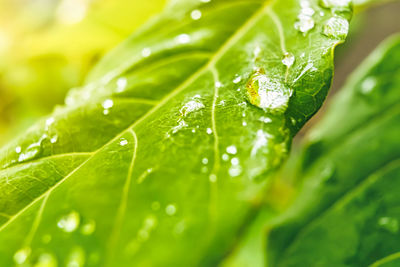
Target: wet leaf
<point x="169" y="145"/>
<point x="346" y="212"/>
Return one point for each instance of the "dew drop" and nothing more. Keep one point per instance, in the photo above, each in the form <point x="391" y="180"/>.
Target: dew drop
<point x="54" y="139"/>
<point x="225" y="157"/>
<point x="181" y="124"/>
<point x="235" y="161"/>
<point x="209" y="131"/>
<point x="231" y="150"/>
<point x="46" y="260"/>
<point x="265" y="119"/>
<point x="340" y="5"/>
<point x="49" y="122"/>
<point x="22" y="255"/>
<point x="235" y="171"/>
<point x="213" y="178"/>
<point x="146" y="52"/>
<point x="267" y="93"/>
<point x="260" y="141"/>
<point x="389" y="223"/>
<point x="88" y="228"/>
<point x="123" y="142"/>
<point x="196" y="14"/>
<point x="191" y="106"/>
<point x="304" y="24"/>
<point x="336" y="28"/>
<point x="121" y="84"/>
<point x="183" y="38"/>
<point x="170" y="209"/>
<point x="32" y="151"/>
<point x="244" y="123"/>
<point x="70" y="222"/>
<point x="204" y="160"/>
<point x="368" y="85"/>
<point x="237" y="79"/>
<point x="108" y="103"/>
<point x="76" y="258"/>
<point x="288" y="59"/>
<point x="18" y="149"/>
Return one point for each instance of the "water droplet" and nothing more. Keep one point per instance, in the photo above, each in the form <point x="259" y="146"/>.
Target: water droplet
<point x="209" y="131"/>
<point x="336" y="27"/>
<point x="46" y="260"/>
<point x="389" y="223"/>
<point x="237" y="79"/>
<point x="204" y="160"/>
<point x="49" y="122"/>
<point x="70" y="222"/>
<point x="368" y="85"/>
<point x="32" y="151"/>
<point x="340" y="5"/>
<point x="191" y="106"/>
<point x="123" y="142"/>
<point x="54" y="139"/>
<point x="265" y="119"/>
<point x="180" y="227"/>
<point x="76" y="258"/>
<point x="181" y="124"/>
<point x="18" y="149"/>
<point x="121" y="84"/>
<point x="170" y="209"/>
<point x="257" y="51"/>
<point x="108" y="103"/>
<point x="235" y="161"/>
<point x="196" y="14"/>
<point x="260" y="141"/>
<point x="88" y="228"/>
<point x="288" y="59"/>
<point x="231" y="150"/>
<point x="146" y="52"/>
<point x="218" y="84"/>
<point x="235" y="171"/>
<point x="183" y="38"/>
<point x="213" y="178"/>
<point x="22" y="255"/>
<point x="267" y="93"/>
<point x="305" y="22"/>
<point x="244" y="123"/>
<point x="225" y="157"/>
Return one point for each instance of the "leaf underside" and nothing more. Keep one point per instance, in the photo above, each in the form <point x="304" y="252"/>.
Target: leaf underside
<point x="167" y="147"/>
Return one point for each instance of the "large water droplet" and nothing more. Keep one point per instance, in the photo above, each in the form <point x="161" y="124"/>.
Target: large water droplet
<point x="191" y="106"/>
<point x="70" y="222"/>
<point x="336" y="27"/>
<point x="267" y="93"/>
<point x="305" y="22"/>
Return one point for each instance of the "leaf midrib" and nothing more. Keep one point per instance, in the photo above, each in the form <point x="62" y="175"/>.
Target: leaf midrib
<point x="223" y="49"/>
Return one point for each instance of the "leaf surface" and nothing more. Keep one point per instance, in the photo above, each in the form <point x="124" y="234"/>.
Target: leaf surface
<point x="346" y="212"/>
<point x="162" y="151"/>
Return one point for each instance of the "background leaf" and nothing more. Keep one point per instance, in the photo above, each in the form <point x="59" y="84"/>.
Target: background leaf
<point x="169" y="139"/>
<point x="345" y="213"/>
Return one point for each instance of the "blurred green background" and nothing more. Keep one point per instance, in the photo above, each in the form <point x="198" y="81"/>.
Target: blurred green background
<point x="48" y="46"/>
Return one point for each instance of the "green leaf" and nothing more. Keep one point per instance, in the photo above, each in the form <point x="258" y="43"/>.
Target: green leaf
<point x="346" y="212"/>
<point x="164" y="149"/>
